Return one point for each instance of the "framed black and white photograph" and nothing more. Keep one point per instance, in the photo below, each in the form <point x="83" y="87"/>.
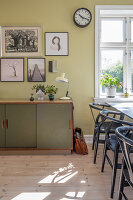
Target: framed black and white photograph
<point x="36" y="70"/>
<point x="56" y="44"/>
<point x="12" y="69"/>
<point x="21" y="41"/>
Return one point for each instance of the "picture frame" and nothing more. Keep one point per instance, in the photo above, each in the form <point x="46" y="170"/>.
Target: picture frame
<point x="36" y="70"/>
<point x="12" y="69"/>
<point x="21" y="41"/>
<point x="56" y="44"/>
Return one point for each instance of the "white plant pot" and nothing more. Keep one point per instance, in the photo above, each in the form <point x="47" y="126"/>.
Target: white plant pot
<point x="110" y="92"/>
<point x="40" y="95"/>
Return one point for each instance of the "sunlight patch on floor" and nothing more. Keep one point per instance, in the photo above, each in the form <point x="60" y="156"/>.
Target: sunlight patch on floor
<point x="82" y="181"/>
<point x="75" y="194"/>
<point x="60" y="176"/>
<point x="32" y="196"/>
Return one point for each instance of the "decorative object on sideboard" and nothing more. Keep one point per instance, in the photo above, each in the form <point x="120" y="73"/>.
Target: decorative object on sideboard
<point x="56" y="43"/>
<point x="82" y="17"/>
<point x="51" y="91"/>
<point x="21" y="41"/>
<point x="40" y="95"/>
<point x="31" y="97"/>
<point x="63" y="79"/>
<point x="36" y="70"/>
<point x="126" y="93"/>
<point x="53" y="66"/>
<point x="12" y="69"/>
<point x="40" y="91"/>
<point x="110" y="83"/>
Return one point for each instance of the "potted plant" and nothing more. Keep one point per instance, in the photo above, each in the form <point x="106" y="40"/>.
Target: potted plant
<point x="110" y="83"/>
<point x="40" y="91"/>
<point x="51" y="91"/>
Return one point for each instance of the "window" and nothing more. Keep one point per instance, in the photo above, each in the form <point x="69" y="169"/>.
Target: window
<point x="114" y="46"/>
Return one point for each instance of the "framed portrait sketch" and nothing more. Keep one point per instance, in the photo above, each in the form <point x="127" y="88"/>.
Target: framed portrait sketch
<point x="56" y="44"/>
<point x="21" y="41"/>
<point x="12" y="69"/>
<point x="36" y="70"/>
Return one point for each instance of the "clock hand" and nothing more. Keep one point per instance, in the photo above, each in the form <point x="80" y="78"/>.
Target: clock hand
<point x="83" y="17"/>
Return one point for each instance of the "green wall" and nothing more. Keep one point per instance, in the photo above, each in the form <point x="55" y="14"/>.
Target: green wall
<point x="57" y="15"/>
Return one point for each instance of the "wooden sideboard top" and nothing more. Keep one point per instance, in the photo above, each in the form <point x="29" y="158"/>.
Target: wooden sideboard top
<point x="26" y="101"/>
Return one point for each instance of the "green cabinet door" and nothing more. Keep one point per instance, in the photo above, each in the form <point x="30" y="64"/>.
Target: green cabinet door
<point x="54" y="126"/>
<point x="21" y="125"/>
<point x="2" y="126"/>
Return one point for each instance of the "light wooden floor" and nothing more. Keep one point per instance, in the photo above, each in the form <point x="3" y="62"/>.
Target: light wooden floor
<point x="55" y="178"/>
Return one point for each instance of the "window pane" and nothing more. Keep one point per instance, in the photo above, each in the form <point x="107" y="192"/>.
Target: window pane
<point x="116" y="12"/>
<point x="132" y="68"/>
<point x="132" y="31"/>
<point x="112" y="31"/>
<point x="112" y="63"/>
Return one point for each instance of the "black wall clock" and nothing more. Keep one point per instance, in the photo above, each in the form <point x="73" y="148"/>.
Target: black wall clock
<point x="82" y="17"/>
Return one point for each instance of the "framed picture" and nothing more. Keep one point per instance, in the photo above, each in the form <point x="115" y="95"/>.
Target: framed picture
<point x="36" y="70"/>
<point x="56" y="43"/>
<point x="12" y="69"/>
<point x="21" y="41"/>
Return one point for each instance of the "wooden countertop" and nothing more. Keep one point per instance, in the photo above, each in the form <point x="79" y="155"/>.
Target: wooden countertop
<point x="26" y="101"/>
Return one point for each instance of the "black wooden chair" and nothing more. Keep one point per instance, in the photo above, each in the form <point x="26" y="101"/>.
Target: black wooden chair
<point x="96" y="108"/>
<point x="125" y="139"/>
<point x="115" y="119"/>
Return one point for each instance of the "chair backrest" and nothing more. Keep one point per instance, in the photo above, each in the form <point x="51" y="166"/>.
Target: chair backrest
<point x="114" y="116"/>
<point x="125" y="139"/>
<point x="97" y="107"/>
<point x="115" y="119"/>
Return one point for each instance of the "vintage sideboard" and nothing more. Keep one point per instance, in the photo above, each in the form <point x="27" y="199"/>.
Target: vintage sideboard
<point x="44" y="126"/>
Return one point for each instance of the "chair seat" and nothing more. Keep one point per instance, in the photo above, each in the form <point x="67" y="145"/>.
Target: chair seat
<point x="113" y="141"/>
<point x="112" y="129"/>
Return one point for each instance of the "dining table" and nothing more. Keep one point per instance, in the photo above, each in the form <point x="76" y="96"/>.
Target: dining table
<point x="126" y="108"/>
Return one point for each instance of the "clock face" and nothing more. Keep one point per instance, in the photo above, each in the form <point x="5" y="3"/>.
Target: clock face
<point x="82" y="17"/>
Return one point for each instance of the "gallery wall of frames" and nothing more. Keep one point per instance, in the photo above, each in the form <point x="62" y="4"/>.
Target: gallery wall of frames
<point x="18" y="43"/>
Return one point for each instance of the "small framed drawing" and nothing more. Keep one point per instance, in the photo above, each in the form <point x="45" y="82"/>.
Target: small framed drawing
<point x="56" y="43"/>
<point x="12" y="69"/>
<point x="21" y="41"/>
<point x="36" y="70"/>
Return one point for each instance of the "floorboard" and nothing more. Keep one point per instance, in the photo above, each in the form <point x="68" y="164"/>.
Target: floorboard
<point x="51" y="177"/>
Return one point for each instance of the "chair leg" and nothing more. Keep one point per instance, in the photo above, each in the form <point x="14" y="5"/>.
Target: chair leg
<point x="94" y="138"/>
<point x="121" y="184"/>
<point x="104" y="155"/>
<point x="96" y="147"/>
<point x="115" y="164"/>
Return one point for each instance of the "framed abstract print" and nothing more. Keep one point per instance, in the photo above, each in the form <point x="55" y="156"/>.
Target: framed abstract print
<point x="36" y="69"/>
<point x="56" y="44"/>
<point x="12" y="69"/>
<point x="21" y="41"/>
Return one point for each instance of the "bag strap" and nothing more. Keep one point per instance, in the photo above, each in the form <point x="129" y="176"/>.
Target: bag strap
<point x="80" y="131"/>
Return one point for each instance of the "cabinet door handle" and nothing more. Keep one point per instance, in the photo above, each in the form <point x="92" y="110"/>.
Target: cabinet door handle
<point x="69" y="124"/>
<point x="6" y="123"/>
<point x="3" y="123"/>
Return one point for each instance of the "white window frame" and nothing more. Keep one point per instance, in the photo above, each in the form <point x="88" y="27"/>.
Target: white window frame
<point x="127" y="47"/>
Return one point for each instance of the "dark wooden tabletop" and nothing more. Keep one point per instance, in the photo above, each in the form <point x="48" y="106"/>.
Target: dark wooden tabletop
<point x="126" y="108"/>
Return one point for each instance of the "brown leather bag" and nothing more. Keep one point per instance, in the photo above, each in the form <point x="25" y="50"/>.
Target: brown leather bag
<point x="80" y="146"/>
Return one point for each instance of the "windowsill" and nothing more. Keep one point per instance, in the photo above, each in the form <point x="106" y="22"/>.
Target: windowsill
<point x="117" y="99"/>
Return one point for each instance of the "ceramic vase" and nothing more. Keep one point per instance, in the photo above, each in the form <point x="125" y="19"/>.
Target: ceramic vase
<point x="51" y="97"/>
<point x="110" y="92"/>
<point x="40" y="95"/>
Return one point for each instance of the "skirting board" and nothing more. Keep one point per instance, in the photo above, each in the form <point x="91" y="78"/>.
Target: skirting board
<point x="35" y="152"/>
<point x="89" y="138"/>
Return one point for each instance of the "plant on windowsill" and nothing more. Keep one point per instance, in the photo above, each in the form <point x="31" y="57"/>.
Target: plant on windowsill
<point x="51" y="91"/>
<point x="110" y="83"/>
<point x="40" y="91"/>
